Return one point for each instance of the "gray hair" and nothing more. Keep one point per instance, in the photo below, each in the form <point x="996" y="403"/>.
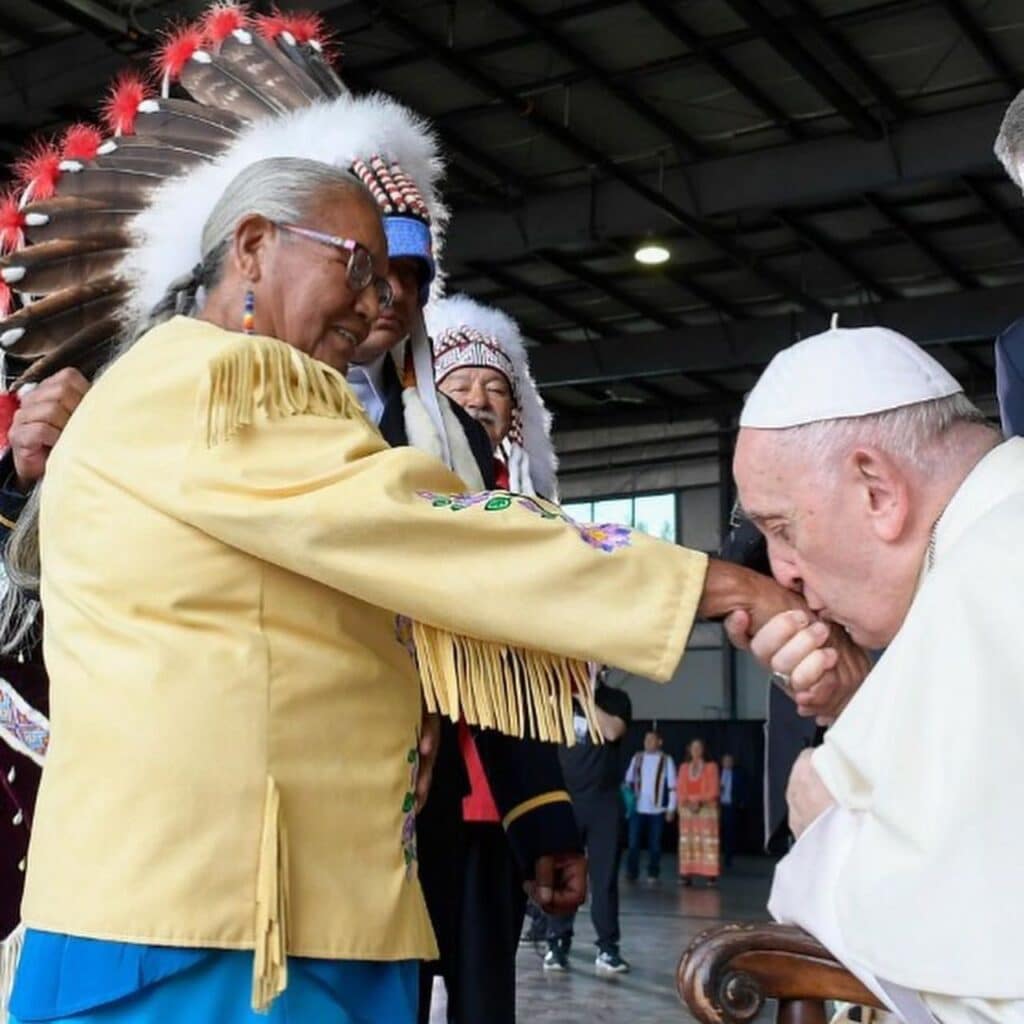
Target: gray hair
<point x="1009" y="145"/>
<point x="280" y="189"/>
<point x="920" y="436"/>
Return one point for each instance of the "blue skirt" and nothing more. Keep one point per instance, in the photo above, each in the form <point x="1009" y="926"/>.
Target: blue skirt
<point x="218" y="991"/>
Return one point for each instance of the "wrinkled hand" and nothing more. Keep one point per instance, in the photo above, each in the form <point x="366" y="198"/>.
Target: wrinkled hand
<point x="806" y="794"/>
<point x="559" y="883"/>
<point x="730" y="588"/>
<point x="824" y="666"/>
<point x="37" y="425"/>
<point x="670" y="816"/>
<point x="430" y="743"/>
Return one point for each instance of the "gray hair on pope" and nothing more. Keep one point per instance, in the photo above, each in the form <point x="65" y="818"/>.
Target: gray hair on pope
<point x="1009" y="147"/>
<point x="919" y="435"/>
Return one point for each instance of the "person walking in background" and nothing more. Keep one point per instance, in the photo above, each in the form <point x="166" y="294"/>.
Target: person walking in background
<point x="591" y="773"/>
<point x="697" y="790"/>
<point x="652" y="776"/>
<point x="732" y="797"/>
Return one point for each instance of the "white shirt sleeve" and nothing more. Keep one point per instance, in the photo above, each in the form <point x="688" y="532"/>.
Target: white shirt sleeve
<point x="670" y="779"/>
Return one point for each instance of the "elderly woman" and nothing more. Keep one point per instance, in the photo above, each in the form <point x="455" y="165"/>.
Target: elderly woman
<point x="226" y="542"/>
<point x="697" y="795"/>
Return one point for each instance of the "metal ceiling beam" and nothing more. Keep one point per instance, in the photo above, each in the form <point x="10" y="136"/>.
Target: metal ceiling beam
<point x="97" y="19"/>
<point x="808" y="67"/>
<point x="821" y="243"/>
<point x="944" y="146"/>
<point x="542" y="298"/>
<point x="722" y="66"/>
<point x="593" y="156"/>
<point x="542" y="29"/>
<point x="716" y="44"/>
<point x="844" y="50"/>
<point x="952" y="318"/>
<point x="919" y="237"/>
<point x="980" y="190"/>
<point x="968" y="24"/>
<point x="602" y="283"/>
<point x="684" y="278"/>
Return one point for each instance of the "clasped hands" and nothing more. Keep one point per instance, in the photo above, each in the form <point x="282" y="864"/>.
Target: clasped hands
<point x="822" y="664"/>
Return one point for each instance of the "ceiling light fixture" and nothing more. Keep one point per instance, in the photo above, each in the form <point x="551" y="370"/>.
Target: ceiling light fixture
<point x="651" y="254"/>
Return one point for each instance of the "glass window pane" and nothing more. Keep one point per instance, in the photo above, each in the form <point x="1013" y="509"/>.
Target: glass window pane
<point x="581" y="511"/>
<point x="656" y="514"/>
<point x="619" y="510"/>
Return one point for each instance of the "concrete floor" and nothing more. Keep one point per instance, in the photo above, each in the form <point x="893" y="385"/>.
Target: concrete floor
<point x="657" y="923"/>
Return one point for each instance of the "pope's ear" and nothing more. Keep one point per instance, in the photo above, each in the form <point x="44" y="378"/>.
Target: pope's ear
<point x="884" y="490"/>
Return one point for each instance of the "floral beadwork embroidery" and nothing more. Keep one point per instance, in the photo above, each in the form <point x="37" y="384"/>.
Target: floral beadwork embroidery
<point x="24" y="728"/>
<point x="409" y="816"/>
<point x="606" y="537"/>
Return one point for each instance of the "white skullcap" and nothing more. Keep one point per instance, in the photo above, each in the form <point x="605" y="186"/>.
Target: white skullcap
<point x="842" y="373"/>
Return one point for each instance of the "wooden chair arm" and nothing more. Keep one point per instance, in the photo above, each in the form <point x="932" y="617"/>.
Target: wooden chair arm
<point x="727" y="973"/>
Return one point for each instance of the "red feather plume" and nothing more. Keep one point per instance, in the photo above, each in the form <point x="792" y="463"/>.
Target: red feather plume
<point x="222" y="19"/>
<point x="270" y="26"/>
<point x="122" y="105"/>
<point x="6" y="299"/>
<point x="81" y="142"/>
<point x="9" y="405"/>
<point x="12" y="224"/>
<point x="40" y="170"/>
<point x="179" y="45"/>
<point x="307" y="27"/>
<point x="303" y="27"/>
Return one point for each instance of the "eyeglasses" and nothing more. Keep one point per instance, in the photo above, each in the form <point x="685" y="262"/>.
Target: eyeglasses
<point x="359" y="268"/>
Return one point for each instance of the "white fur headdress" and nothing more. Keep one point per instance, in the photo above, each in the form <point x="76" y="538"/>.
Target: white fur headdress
<point x="466" y="333"/>
<point x="340" y="131"/>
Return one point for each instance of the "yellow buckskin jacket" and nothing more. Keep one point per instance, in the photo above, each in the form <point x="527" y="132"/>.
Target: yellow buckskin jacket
<point x="235" y="566"/>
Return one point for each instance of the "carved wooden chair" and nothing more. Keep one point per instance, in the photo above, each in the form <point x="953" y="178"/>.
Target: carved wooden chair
<point x="728" y="972"/>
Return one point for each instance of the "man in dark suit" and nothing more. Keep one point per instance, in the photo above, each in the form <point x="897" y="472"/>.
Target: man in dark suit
<point x="1010" y="378"/>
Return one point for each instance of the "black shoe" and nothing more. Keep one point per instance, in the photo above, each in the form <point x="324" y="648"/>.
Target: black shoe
<point x="609" y="962"/>
<point x="557" y="957"/>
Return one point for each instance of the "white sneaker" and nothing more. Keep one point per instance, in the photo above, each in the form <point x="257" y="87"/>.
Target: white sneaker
<point x="555" y="960"/>
<point x="610" y="963"/>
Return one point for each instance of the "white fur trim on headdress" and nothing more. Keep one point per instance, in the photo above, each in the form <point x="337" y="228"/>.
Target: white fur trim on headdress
<point x="532" y="464"/>
<point x="168" y="233"/>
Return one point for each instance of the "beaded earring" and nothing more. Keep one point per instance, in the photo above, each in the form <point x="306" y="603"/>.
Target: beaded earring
<point x="248" y="314"/>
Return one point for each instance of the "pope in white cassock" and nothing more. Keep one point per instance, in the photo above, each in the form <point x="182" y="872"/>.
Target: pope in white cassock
<point x="891" y="504"/>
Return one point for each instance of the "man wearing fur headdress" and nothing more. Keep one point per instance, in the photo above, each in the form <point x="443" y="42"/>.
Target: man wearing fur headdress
<point x="480" y="362"/>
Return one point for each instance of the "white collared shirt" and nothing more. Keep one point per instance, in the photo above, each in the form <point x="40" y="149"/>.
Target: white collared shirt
<point x="368" y="384"/>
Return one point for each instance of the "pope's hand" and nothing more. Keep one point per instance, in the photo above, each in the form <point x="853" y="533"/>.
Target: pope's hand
<point x="559" y="883"/>
<point x="39" y="422"/>
<point x="823" y="665"/>
<point x="806" y="794"/>
<point x="430" y="743"/>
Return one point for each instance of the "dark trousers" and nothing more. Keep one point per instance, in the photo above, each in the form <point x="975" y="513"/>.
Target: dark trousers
<point x="480" y="907"/>
<point x="599" y="819"/>
<point x="728" y="826"/>
<point x="645" y="830"/>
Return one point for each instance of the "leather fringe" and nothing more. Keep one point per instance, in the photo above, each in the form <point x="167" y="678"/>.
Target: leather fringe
<point x="270" y="963"/>
<point x="10" y="954"/>
<point x="272" y="377"/>
<point x="516" y="691"/>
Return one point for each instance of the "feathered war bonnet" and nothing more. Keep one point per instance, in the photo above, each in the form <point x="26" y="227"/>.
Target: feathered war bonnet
<point x="102" y="222"/>
<point x="466" y="333"/>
